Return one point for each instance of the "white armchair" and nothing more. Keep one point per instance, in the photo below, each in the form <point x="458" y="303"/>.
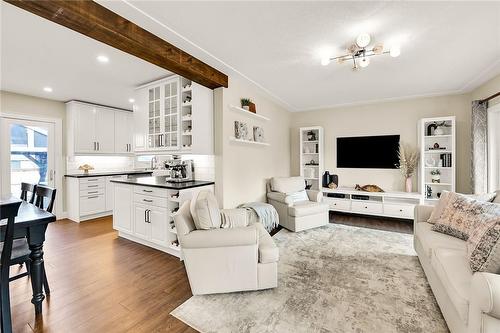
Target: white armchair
<point x="296" y="213"/>
<point x="226" y="260"/>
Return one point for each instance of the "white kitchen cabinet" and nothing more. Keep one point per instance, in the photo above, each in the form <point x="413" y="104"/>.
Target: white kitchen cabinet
<point x="158" y="219"/>
<point x="124" y="128"/>
<point x="95" y="129"/>
<point x="122" y="215"/>
<point x="175" y="115"/>
<point x="151" y="209"/>
<point x="110" y="191"/>
<point x="142" y="227"/>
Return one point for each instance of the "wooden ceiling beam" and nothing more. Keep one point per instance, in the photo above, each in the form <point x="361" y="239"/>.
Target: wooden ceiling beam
<point x="97" y="22"/>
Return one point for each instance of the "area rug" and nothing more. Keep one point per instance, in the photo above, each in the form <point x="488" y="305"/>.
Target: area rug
<point x="331" y="279"/>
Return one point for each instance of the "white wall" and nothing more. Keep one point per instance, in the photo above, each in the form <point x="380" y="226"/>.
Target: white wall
<point x="242" y="169"/>
<point x="397" y="117"/>
<point x="487" y="89"/>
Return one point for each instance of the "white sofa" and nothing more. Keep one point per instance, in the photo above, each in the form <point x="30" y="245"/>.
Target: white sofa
<point x="299" y="215"/>
<point x="226" y="260"/>
<point x="470" y="302"/>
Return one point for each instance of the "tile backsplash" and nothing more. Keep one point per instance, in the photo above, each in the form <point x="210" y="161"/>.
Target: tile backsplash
<point x="100" y="163"/>
<point x="204" y="165"/>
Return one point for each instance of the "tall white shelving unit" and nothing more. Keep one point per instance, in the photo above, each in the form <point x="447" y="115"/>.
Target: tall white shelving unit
<point x="311" y="155"/>
<point x="437" y="142"/>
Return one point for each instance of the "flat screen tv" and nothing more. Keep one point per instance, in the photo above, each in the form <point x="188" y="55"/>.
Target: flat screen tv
<point x="368" y="152"/>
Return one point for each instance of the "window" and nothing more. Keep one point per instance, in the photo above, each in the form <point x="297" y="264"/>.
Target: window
<point x="19" y="135"/>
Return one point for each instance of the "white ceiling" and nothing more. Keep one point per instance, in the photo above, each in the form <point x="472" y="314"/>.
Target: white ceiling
<point x="447" y="47"/>
<point x="36" y="53"/>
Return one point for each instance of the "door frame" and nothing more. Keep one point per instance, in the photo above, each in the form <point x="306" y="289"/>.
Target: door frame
<point x="58" y="155"/>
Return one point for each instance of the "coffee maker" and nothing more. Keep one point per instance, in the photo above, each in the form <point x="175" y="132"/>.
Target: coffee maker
<point x="180" y="170"/>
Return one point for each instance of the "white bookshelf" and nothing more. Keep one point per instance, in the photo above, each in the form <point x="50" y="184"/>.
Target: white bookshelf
<point x="311" y="156"/>
<point x="441" y="158"/>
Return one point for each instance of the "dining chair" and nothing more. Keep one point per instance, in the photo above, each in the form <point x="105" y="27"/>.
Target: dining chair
<point x="41" y="193"/>
<point x="25" y="188"/>
<point x="10" y="250"/>
<point x="45" y="192"/>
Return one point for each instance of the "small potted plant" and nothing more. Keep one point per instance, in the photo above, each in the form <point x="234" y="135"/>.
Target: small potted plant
<point x="436" y="176"/>
<point x="247" y="104"/>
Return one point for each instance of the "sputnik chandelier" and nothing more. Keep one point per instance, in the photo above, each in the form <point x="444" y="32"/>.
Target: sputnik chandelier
<point x="360" y="53"/>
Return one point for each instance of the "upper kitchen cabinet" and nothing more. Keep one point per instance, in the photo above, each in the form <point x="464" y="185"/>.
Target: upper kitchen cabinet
<point x="124" y="127"/>
<point x="174" y="115"/>
<point x="96" y="129"/>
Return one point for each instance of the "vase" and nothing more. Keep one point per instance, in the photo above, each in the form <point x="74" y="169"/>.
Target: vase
<point x="408" y="185"/>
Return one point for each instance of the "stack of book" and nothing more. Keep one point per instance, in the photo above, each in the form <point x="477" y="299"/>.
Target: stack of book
<point x="445" y="160"/>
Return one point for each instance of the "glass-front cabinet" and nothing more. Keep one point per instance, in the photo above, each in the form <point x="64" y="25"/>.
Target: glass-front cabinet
<point x="163" y="115"/>
<point x="175" y="115"/>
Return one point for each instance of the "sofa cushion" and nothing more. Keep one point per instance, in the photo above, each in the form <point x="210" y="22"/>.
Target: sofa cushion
<point x="288" y="185"/>
<point x="462" y="213"/>
<point x="431" y="240"/>
<point x="306" y="208"/>
<point x="205" y="211"/>
<point x="452" y="269"/>
<point x="483" y="246"/>
<point x="268" y="251"/>
<point x="299" y="196"/>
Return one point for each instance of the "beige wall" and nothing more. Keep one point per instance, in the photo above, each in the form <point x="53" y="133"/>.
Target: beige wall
<point x="396" y="117"/>
<point x="242" y="169"/>
<point x="487" y="89"/>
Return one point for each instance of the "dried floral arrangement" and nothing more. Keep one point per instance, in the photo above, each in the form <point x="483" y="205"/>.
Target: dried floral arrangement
<point x="408" y="160"/>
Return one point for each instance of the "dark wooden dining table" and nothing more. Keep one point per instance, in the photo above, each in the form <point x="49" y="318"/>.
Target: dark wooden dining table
<point x="31" y="222"/>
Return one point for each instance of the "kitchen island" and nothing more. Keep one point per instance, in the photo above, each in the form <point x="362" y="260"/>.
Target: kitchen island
<point x="144" y="208"/>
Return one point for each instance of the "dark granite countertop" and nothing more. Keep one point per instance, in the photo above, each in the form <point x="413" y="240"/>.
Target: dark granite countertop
<point x="109" y="173"/>
<point x="161" y="182"/>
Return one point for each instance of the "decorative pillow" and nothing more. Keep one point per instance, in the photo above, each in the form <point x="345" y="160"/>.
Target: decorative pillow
<point x="462" y="213"/>
<point x="299" y="196"/>
<point x="483" y="246"/>
<point x="443" y="200"/>
<point x="439" y="208"/>
<point x="205" y="211"/>
<point x="288" y="185"/>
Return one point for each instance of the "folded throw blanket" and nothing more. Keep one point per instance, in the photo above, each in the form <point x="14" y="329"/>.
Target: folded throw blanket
<point x="267" y="214"/>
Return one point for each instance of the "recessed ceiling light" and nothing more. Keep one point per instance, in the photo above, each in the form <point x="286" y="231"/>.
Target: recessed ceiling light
<point x="102" y="59"/>
<point x="395" y="51"/>
<point x="47" y="89"/>
<point x="131" y="100"/>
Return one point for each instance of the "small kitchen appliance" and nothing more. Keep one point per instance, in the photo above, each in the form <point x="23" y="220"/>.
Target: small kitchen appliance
<point x="180" y="170"/>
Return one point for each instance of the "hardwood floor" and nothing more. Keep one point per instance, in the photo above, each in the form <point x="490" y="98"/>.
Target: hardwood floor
<point x="102" y="283"/>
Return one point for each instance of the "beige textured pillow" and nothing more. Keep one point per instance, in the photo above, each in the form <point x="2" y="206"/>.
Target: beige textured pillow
<point x="205" y="211"/>
<point x="483" y="246"/>
<point x="462" y="215"/>
<point x="288" y="185"/>
<point x="443" y="200"/>
<point x="439" y="208"/>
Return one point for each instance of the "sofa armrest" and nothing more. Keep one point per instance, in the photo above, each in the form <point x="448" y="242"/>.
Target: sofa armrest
<point x="241" y="236"/>
<point x="423" y="212"/>
<point x="314" y="195"/>
<point x="485" y="295"/>
<point x="280" y="197"/>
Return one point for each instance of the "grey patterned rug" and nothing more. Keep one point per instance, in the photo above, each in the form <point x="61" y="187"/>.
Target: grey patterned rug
<point x="332" y="279"/>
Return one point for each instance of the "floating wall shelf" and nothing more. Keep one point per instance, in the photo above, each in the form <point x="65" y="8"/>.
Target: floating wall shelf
<point x="232" y="138"/>
<point x="247" y="113"/>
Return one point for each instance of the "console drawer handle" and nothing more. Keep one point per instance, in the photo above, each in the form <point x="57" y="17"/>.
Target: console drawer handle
<point x="146" y="200"/>
<point x="148" y="191"/>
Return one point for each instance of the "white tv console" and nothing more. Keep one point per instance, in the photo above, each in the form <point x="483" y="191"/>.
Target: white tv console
<point x="388" y="204"/>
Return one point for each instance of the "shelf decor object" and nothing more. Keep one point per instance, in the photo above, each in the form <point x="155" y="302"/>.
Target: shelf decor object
<point x="408" y="161"/>
<point x="247" y="104"/>
<point x="437" y="169"/>
<point x="360" y="52"/>
<point x="311" y="156"/>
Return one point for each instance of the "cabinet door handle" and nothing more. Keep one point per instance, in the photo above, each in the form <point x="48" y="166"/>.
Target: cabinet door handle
<point x="95" y="146"/>
<point x="98" y="146"/>
<point x="148" y="211"/>
<point x="146" y="216"/>
<point x="147" y="200"/>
